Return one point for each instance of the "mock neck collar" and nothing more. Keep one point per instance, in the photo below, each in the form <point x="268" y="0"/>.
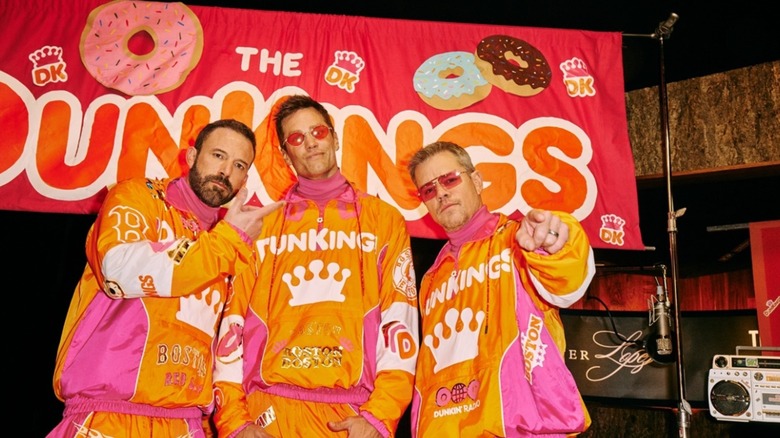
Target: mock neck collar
<point x="474" y="228"/>
<point x="320" y="190"/>
<point x="180" y="194"/>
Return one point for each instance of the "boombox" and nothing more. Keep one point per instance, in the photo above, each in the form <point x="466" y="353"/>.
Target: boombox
<point x="745" y="388"/>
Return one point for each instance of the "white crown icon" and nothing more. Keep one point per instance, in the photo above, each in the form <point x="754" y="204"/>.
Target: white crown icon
<point x="460" y="345"/>
<point x="574" y="68"/>
<point x="46" y="55"/>
<point x="612" y="222"/>
<point x="317" y="289"/>
<point x="201" y="310"/>
<point x="349" y="61"/>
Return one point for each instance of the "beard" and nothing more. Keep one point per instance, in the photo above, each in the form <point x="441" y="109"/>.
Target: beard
<point x="453" y="221"/>
<point x="212" y="196"/>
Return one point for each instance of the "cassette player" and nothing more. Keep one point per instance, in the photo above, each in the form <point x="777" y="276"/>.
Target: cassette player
<point x="745" y="388"/>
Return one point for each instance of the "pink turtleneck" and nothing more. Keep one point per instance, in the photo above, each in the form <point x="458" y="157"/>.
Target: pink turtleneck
<point x="181" y="196"/>
<point x="481" y="224"/>
<point x="322" y="190"/>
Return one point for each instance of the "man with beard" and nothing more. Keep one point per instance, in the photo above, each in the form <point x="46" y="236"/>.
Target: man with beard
<point x="136" y="353"/>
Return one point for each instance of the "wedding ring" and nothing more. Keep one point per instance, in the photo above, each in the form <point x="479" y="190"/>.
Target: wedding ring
<point x="554" y="233"/>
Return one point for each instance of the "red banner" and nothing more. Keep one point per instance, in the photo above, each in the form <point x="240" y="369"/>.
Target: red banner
<point x="765" y="253"/>
<point x="92" y="93"/>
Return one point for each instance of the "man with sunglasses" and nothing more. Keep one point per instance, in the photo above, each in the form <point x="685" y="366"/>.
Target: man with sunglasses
<point x="324" y="338"/>
<point x="491" y="362"/>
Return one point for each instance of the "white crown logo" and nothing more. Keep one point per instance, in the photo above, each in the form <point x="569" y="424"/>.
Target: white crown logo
<point x="46" y="55"/>
<point x="317" y="289"/>
<point x="574" y="68"/>
<point x="201" y="310"/>
<point x="612" y="222"/>
<point x="349" y="61"/>
<point x="460" y="345"/>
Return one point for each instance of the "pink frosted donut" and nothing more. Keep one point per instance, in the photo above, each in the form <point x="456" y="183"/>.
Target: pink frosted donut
<point x="173" y="30"/>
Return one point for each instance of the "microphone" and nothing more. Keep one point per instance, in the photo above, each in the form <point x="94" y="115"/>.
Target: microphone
<point x="665" y="27"/>
<point x="659" y="344"/>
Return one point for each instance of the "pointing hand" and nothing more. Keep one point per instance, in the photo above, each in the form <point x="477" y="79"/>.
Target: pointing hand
<point x="249" y="218"/>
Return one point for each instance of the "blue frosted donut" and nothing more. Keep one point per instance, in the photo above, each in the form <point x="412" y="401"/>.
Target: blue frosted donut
<point x="450" y="81"/>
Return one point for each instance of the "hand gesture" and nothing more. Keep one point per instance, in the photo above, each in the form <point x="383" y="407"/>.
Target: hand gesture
<point x="356" y="427"/>
<point x="248" y="218"/>
<point x="542" y="229"/>
<point x="253" y="431"/>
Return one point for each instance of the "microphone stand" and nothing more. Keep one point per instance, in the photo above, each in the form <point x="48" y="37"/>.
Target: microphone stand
<point x="662" y="33"/>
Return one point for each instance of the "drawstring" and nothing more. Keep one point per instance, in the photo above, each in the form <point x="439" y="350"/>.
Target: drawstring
<point x="487" y="277"/>
<point x="500" y="229"/>
<point x="486" y="297"/>
<point x="275" y="251"/>
<point x="359" y="246"/>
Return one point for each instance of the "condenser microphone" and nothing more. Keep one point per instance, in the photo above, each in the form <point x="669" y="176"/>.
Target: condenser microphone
<point x="659" y="344"/>
<point x="665" y="27"/>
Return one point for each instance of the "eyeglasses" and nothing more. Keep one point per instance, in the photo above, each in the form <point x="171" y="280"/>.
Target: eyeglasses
<point x="449" y="180"/>
<point x="298" y="137"/>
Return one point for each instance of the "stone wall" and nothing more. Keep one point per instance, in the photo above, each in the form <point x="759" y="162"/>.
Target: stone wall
<point x="722" y="121"/>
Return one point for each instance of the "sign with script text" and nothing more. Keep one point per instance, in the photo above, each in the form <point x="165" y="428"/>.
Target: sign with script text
<point x="607" y="366"/>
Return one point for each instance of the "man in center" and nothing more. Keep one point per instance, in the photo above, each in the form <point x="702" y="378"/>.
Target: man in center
<point x="324" y="337"/>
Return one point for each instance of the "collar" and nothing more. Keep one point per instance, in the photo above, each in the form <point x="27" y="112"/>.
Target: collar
<point x="321" y="189"/>
<point x="481" y="225"/>
<point x="180" y="194"/>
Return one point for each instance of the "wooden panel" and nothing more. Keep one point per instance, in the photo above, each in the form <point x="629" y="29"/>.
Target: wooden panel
<point x="630" y="292"/>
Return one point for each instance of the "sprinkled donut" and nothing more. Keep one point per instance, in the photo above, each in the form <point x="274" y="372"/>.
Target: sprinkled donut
<point x="450" y="81"/>
<point x="174" y="30"/>
<point x="513" y="65"/>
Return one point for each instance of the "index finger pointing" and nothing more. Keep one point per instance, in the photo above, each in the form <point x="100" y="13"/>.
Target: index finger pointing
<point x="270" y="208"/>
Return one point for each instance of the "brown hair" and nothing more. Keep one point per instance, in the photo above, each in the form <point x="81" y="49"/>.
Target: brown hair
<point x="438" y="147"/>
<point x="293" y="104"/>
<point x="234" y="125"/>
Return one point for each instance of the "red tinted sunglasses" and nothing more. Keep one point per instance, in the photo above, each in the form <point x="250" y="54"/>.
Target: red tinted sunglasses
<point x="297" y="138"/>
<point x="449" y="180"/>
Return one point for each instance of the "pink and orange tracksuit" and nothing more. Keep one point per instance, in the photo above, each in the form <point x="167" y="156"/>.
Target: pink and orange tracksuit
<point x="330" y="327"/>
<point x="137" y="349"/>
<point x="490" y="361"/>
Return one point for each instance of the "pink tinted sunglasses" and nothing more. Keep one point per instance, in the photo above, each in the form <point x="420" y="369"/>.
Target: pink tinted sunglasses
<point x="297" y="138"/>
<point x="449" y="180"/>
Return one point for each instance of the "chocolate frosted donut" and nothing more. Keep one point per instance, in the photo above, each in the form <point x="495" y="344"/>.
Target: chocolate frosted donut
<point x="513" y="65"/>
